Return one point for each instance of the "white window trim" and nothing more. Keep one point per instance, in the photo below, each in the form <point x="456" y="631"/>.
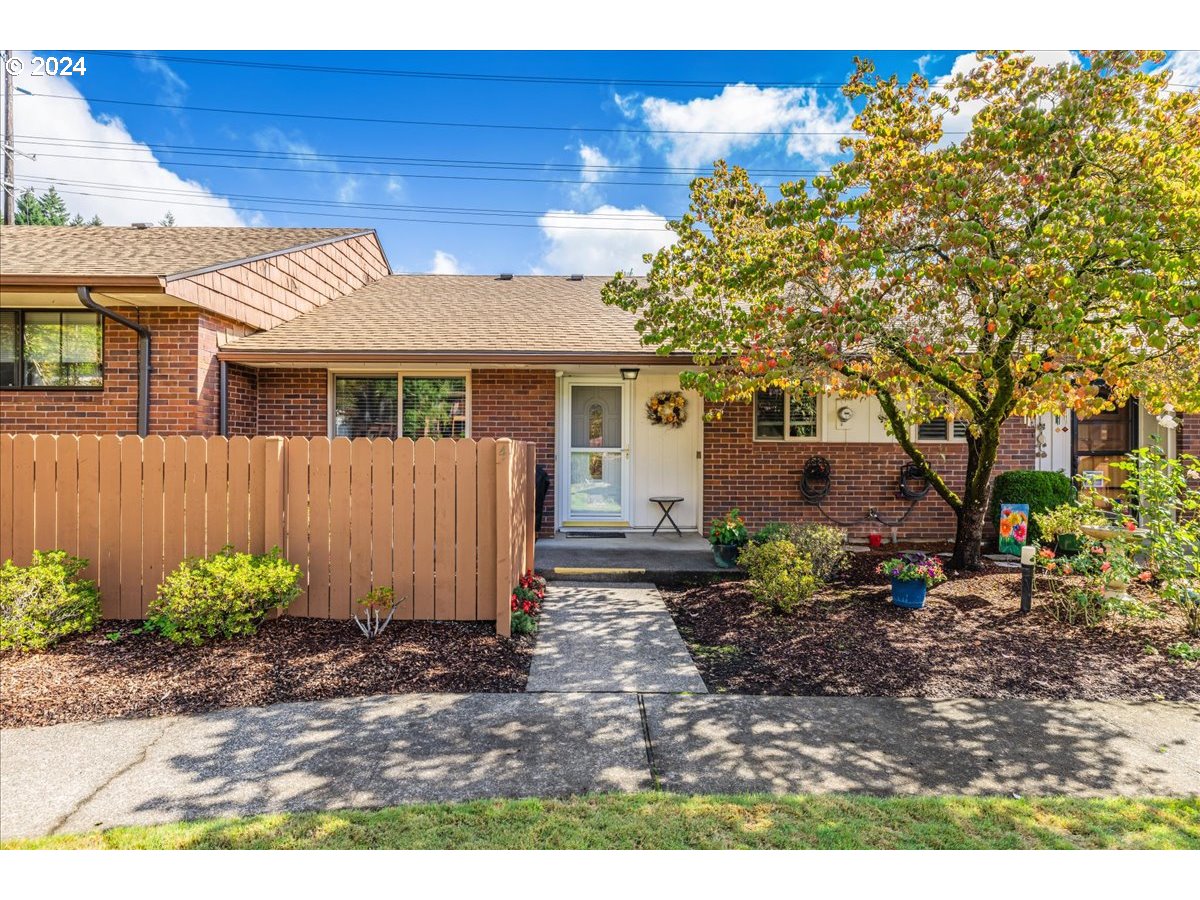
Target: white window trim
<point x="819" y="408"/>
<point x="399" y="375"/>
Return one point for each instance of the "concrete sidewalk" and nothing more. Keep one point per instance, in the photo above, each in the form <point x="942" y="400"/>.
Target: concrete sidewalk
<point x="610" y="637"/>
<point x="367" y="752"/>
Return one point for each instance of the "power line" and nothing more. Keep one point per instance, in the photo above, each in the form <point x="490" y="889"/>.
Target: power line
<point x="349" y="204"/>
<point x="371" y="120"/>
<point x="481" y="76"/>
<point x="441" y="162"/>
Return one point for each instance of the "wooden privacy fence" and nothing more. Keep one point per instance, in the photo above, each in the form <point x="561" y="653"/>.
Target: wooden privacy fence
<point x="447" y="524"/>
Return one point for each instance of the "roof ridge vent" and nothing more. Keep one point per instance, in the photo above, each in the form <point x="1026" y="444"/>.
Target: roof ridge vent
<point x="140" y="226"/>
<point x="505" y="276"/>
<point x="574" y="278"/>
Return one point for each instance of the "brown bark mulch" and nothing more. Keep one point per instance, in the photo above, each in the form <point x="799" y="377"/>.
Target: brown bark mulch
<point x="969" y="641"/>
<point x="93" y="677"/>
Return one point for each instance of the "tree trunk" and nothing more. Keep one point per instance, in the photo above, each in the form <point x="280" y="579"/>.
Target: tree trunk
<point x="968" y="535"/>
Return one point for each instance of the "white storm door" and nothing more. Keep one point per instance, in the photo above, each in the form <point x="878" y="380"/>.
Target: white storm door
<point x="598" y="452"/>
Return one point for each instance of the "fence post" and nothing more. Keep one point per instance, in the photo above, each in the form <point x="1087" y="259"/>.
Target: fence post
<point x="504" y="542"/>
<point x="274" y="490"/>
<point x="530" y="504"/>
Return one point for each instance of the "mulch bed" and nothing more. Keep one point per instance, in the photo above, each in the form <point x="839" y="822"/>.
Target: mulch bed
<point x="969" y="641"/>
<point x="93" y="677"/>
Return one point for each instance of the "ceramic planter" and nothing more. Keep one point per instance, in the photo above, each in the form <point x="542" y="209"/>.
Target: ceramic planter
<point x="908" y="594"/>
<point x="726" y="555"/>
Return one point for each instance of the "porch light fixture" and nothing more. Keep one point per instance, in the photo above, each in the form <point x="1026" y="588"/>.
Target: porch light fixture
<point x="630" y="374"/>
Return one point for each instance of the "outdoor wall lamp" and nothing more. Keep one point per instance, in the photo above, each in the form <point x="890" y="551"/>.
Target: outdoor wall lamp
<point x="630" y="374"/>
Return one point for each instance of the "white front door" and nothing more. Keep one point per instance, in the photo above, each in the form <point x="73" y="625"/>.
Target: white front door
<point x="597" y="450"/>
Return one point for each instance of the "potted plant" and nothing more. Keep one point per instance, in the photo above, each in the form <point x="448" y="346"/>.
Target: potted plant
<point x="728" y="536"/>
<point x="912" y="574"/>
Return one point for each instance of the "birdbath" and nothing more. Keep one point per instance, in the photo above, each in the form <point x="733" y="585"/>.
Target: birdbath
<point x="1117" y="589"/>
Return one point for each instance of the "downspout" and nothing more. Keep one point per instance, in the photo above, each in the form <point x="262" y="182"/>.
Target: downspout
<point x="143" y="333"/>
<point x="223" y="398"/>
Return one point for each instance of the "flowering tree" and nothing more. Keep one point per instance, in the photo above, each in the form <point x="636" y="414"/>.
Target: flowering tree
<point x="1047" y="260"/>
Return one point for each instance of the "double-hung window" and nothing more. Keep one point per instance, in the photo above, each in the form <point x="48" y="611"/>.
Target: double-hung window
<point x="783" y="416"/>
<point x="51" y="349"/>
<point x="411" y="406"/>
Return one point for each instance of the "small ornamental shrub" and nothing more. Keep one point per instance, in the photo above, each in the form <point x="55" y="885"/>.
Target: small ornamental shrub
<point x="224" y="595"/>
<point x="1041" y="490"/>
<point x="1063" y="524"/>
<point x="1184" y="651"/>
<point x="780" y="575"/>
<point x="527" y="599"/>
<point x="729" y="530"/>
<point x="379" y="602"/>
<point x="824" y="546"/>
<point x="44" y="602"/>
<point x="913" y="567"/>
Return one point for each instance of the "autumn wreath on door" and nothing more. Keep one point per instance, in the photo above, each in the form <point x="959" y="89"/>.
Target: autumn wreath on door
<point x="667" y="408"/>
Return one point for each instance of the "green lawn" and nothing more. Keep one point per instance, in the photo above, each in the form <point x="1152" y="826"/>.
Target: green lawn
<point x="658" y="821"/>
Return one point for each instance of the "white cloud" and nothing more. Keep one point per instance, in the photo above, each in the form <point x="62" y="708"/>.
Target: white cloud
<point x="604" y="241"/>
<point x="395" y="186"/>
<point x="445" y="264"/>
<point x="51" y="129"/>
<point x="592" y="169"/>
<point x="347" y="188"/>
<point x="171" y="88"/>
<point x="812" y="124"/>
<point x="1185" y="69"/>
<point x="925" y="60"/>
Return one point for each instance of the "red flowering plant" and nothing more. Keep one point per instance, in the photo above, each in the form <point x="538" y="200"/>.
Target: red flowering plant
<point x="527" y="599"/>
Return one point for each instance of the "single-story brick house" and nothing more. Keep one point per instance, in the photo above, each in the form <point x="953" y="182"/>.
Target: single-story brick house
<point x="298" y="331"/>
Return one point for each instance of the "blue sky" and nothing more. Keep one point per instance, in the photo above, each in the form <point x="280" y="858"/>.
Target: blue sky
<point x="566" y="208"/>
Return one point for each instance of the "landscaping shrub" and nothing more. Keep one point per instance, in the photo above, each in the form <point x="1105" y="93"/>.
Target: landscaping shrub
<point x="824" y="546"/>
<point x="772" y="531"/>
<point x="225" y="595"/>
<point x="780" y="575"/>
<point x="44" y="602"/>
<point x="1041" y="490"/>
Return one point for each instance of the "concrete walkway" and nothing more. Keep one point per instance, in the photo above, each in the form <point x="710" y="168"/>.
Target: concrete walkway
<point x="610" y="637"/>
<point x="367" y="752"/>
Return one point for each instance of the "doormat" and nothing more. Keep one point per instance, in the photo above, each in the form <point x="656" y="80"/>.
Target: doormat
<point x="594" y="534"/>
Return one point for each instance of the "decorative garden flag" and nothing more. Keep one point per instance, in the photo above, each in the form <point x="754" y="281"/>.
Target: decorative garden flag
<point x="1014" y="527"/>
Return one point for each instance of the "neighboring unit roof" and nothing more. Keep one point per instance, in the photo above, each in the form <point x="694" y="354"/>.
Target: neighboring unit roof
<point x="43" y="251"/>
<point x="455" y="317"/>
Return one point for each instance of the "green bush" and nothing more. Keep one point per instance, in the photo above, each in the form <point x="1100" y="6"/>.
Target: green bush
<point x="1041" y="490"/>
<point x="824" y="546"/>
<point x="780" y="575"/>
<point x="772" y="531"/>
<point x="44" y="602"/>
<point x="224" y="595"/>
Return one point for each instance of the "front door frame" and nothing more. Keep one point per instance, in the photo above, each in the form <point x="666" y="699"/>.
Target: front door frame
<point x="562" y="514"/>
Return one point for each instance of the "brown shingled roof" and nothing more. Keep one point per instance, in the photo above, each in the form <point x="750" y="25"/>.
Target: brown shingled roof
<point x="111" y="252"/>
<point x="449" y="316"/>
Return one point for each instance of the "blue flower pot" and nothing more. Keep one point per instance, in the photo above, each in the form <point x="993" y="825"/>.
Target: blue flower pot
<point x="908" y="594"/>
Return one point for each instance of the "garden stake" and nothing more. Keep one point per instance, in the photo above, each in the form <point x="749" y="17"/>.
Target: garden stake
<point x="1027" y="557"/>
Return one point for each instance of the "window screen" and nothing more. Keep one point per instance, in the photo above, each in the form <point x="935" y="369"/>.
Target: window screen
<point x="435" y="407"/>
<point x="365" y="407"/>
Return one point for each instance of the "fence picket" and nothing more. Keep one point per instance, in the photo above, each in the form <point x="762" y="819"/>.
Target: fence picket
<point x="381" y="513"/>
<point x="360" y="519"/>
<point x="239" y="492"/>
<point x="298" y="493"/>
<point x="339" y="529"/>
<point x="174" y="494"/>
<point x="465" y="537"/>
<point x="109" y="540"/>
<point x="216" y="498"/>
<point x="45" y="452"/>
<point x="194" y="517"/>
<point x="485" y="464"/>
<point x="423" y="525"/>
<point x="443" y="529"/>
<point x="6" y="497"/>
<point x="402" y="526"/>
<point x="89" y="503"/>
<point x="131" y="527"/>
<point x="66" y="494"/>
<point x="153" y="494"/>
<point x="319" y="530"/>
<point x="258" y="470"/>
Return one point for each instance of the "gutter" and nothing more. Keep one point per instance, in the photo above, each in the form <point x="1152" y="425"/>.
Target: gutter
<point x="143" y="333"/>
<point x="477" y="357"/>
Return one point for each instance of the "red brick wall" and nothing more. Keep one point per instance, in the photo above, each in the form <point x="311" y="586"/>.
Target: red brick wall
<point x="183" y="381"/>
<point x="293" y="402"/>
<point x="519" y="404"/>
<point x="761" y="478"/>
<point x="243" y="400"/>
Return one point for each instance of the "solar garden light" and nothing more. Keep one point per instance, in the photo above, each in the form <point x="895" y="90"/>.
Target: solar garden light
<point x="1028" y="554"/>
